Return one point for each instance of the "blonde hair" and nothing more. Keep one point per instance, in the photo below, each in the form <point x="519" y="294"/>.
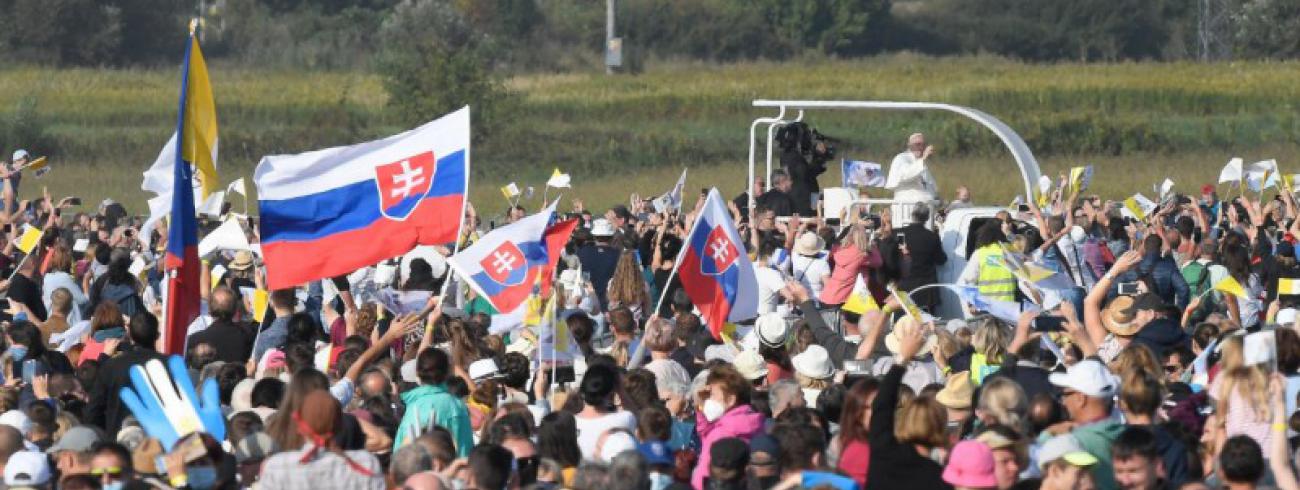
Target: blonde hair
<point x="1133" y="358"/>
<point x="1005" y="401"/>
<point x="859" y="238"/>
<point x="659" y="335"/>
<point x="1251" y="383"/>
<point x="619" y="351"/>
<point x="922" y="421"/>
<point x="1232" y="355"/>
<point x="812" y="383"/>
<point x="949" y="344"/>
<point x="990" y="338"/>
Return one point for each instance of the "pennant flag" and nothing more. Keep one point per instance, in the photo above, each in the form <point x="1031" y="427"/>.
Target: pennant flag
<point x="30" y="238"/>
<point x="858" y="173"/>
<point x="1288" y="182"/>
<point x="511" y="191"/>
<point x="260" y="302"/>
<point x="715" y="271"/>
<point x="37" y="164"/>
<point x="860" y="300"/>
<point x="1262" y="175"/>
<point x="558" y="180"/>
<point x="554" y="342"/>
<point x="1200" y="365"/>
<point x="1007" y="311"/>
<point x="218" y="272"/>
<point x="1232" y="172"/>
<point x="1288" y="286"/>
<point x="229" y="236"/>
<point x="906" y="302"/>
<point x="237" y="187"/>
<point x="196" y="144"/>
<point x="1080" y="178"/>
<point x="329" y="212"/>
<point x="505" y="264"/>
<point x="672" y="200"/>
<point x="1228" y="285"/>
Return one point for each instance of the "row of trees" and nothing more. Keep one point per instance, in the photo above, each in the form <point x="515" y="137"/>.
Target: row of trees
<point x="564" y="34"/>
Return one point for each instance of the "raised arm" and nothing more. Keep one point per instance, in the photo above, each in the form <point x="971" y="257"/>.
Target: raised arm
<point x="398" y="329"/>
<point x="1092" y="303"/>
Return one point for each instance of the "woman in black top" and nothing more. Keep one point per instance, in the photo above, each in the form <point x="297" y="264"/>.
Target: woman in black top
<point x="899" y="455"/>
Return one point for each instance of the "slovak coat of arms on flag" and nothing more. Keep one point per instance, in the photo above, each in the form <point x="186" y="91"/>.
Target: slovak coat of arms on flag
<point x="403" y="184"/>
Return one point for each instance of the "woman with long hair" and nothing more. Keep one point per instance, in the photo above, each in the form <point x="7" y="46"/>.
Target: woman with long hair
<point x="852" y="443"/>
<point x="58" y="275"/>
<point x="627" y="287"/>
<point x="557" y="440"/>
<point x="1003" y="402"/>
<point x="105" y="324"/>
<point x="989" y="341"/>
<point x="855" y="255"/>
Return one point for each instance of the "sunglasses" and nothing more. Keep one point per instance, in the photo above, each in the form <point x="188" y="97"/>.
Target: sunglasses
<point x="1172" y="369"/>
<point x="110" y="471"/>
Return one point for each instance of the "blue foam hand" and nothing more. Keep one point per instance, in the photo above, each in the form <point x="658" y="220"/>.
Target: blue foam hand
<point x="167" y="406"/>
<point x="208" y="407"/>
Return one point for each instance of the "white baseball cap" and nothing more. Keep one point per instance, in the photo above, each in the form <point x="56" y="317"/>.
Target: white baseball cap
<point x="27" y="468"/>
<point x="1067" y="447"/>
<point x="602" y="227"/>
<point x="18" y="420"/>
<point x="483" y="369"/>
<point x="1089" y="377"/>
<point x="19" y="154"/>
<point x="1285" y="316"/>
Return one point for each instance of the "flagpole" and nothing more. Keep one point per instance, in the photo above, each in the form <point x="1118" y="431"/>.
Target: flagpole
<point x="640" y="347"/>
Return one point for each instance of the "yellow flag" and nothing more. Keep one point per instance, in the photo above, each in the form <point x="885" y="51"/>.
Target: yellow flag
<point x="533" y="310"/>
<point x="30" y="239"/>
<point x="260" y="302"/>
<point x="906" y="301"/>
<point x="199" y="122"/>
<point x="1132" y="205"/>
<point x="860" y="302"/>
<point x="36" y="164"/>
<point x="561" y="328"/>
<point x="1288" y="286"/>
<point x="1230" y="286"/>
<point x="510" y="191"/>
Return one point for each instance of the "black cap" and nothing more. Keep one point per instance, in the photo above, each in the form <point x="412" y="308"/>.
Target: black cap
<point x="730" y="453"/>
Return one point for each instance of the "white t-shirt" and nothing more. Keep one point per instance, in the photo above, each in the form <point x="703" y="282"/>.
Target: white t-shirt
<point x="811" y="272"/>
<point x="589" y="430"/>
<point x="770" y="283"/>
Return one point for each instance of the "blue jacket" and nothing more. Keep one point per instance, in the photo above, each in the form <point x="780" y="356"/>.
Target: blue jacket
<point x="1165" y="277"/>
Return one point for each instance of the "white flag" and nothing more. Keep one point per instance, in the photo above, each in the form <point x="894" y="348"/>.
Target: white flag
<point x="1231" y="172"/>
<point x="671" y="200"/>
<point x="237" y="187"/>
<point x="558" y="180"/>
<point x="229" y="236"/>
<point x="212" y="205"/>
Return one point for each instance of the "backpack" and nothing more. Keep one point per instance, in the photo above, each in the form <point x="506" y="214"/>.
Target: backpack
<point x="127" y="299"/>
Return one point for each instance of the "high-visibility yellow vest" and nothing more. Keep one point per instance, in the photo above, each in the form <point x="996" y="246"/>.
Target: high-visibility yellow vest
<point x="996" y="283"/>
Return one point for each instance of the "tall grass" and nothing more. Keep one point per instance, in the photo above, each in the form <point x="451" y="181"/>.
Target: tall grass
<point x="1138" y="122"/>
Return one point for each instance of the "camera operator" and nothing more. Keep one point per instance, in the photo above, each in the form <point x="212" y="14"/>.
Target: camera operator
<point x="910" y="179"/>
<point x="804" y="153"/>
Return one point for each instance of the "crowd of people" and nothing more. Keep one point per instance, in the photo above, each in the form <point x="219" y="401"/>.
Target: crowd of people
<point x="1135" y="369"/>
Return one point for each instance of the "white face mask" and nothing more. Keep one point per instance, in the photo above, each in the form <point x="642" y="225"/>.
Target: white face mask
<point x="713" y="410"/>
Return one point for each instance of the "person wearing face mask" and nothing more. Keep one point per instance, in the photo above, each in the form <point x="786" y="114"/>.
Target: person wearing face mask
<point x="722" y="411"/>
<point x="197" y="462"/>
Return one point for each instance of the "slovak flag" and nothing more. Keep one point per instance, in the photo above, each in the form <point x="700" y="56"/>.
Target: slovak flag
<point x="715" y="271"/>
<point x="504" y="265"/>
<point x="329" y="212"/>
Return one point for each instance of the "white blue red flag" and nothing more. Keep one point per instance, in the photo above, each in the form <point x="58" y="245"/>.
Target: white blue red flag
<point x="329" y="212"/>
<point x="506" y="264"/>
<point x="715" y="271"/>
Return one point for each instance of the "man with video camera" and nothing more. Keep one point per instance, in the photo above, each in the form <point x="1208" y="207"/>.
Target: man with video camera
<point x="804" y="153"/>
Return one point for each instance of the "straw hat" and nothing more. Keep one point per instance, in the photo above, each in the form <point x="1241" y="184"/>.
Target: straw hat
<point x="809" y="244"/>
<point x="891" y="340"/>
<point x="956" y="392"/>
<point x="1119" y="317"/>
<point x="243" y="260"/>
<point x="750" y="365"/>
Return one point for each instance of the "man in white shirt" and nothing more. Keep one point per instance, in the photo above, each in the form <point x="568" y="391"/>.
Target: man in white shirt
<point x="910" y="179"/>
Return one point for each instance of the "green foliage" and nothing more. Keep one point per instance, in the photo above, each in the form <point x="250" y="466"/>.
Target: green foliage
<point x="435" y="63"/>
<point x="1268" y="28"/>
<point x="25" y="127"/>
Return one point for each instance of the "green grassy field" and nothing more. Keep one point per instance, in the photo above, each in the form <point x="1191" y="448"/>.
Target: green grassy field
<point x="1137" y="122"/>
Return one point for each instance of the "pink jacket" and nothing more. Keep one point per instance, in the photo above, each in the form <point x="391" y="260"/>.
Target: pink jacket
<point x="849" y="263"/>
<point x="740" y="421"/>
